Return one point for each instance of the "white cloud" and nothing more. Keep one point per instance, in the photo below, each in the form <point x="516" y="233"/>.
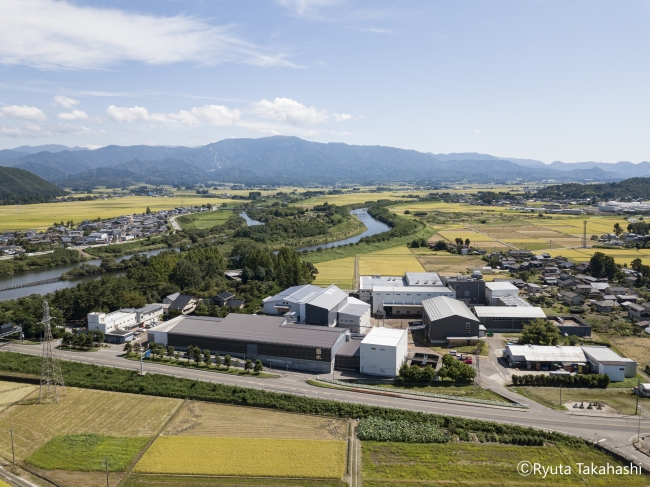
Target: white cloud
<point x="10" y="131"/>
<point x="24" y="112"/>
<point x="311" y="133"/>
<point x="73" y="115"/>
<point x="290" y="111"/>
<point x="124" y="114"/>
<point x="307" y="7"/>
<point x="216" y="115"/>
<point x="342" y="117"/>
<point x="65" y="101"/>
<point x="50" y="34"/>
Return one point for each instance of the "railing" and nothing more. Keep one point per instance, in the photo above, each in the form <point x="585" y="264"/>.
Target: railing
<point x="422" y="394"/>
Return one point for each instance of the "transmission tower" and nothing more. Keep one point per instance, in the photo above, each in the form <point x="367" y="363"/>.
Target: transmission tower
<point x="51" y="377"/>
<point x="584" y="234"/>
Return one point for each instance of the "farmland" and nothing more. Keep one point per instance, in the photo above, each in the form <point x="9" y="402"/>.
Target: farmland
<point x="410" y="465"/>
<point x="197" y="418"/>
<point x="636" y="348"/>
<point x="149" y="480"/>
<point x="206" y="219"/>
<point x="395" y="261"/>
<point x="254" y="457"/>
<point x="339" y="272"/>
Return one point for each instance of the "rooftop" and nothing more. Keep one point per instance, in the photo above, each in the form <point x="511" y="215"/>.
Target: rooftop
<point x="501" y="286"/>
<point x="257" y="329"/>
<point x="327" y="298"/>
<point x="412" y="290"/>
<point x="540" y="353"/>
<point x="444" y="307"/>
<point x="383" y="336"/>
<point x="367" y="282"/>
<point x="355" y="307"/>
<point x="297" y="294"/>
<point x="509" y="312"/>
<point x="604" y="354"/>
<point x="423" y="279"/>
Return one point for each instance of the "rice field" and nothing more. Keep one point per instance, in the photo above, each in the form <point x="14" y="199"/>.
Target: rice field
<point x="246" y="457"/>
<point x="636" y="348"/>
<point x="82" y="411"/>
<point x="207" y="219"/>
<point x="389" y="262"/>
<point x="621" y="256"/>
<point x="43" y="215"/>
<point x="339" y="272"/>
<point x="197" y="418"/>
<point x="13" y="392"/>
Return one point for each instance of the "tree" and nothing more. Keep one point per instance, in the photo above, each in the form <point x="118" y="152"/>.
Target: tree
<point x="170" y="351"/>
<point x="177" y="356"/>
<point x="186" y="275"/>
<point x="206" y="357"/>
<point x="227" y="361"/>
<point x="248" y="365"/>
<point x="217" y="360"/>
<point x="601" y="265"/>
<point x="467" y="242"/>
<point x="137" y="347"/>
<point x="617" y="229"/>
<point x="148" y="211"/>
<point x="196" y="355"/>
<point x="128" y="347"/>
<point x="258" y="366"/>
<point x="540" y="332"/>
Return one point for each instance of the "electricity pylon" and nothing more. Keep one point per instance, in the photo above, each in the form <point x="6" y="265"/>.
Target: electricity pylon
<point x="52" y="384"/>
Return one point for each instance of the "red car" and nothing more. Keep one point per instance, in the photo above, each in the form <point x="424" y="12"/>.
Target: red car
<point x="468" y="361"/>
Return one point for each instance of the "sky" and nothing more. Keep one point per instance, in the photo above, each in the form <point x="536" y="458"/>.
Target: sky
<point x="546" y="80"/>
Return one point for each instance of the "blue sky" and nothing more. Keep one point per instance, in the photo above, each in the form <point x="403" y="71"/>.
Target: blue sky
<point x="550" y="80"/>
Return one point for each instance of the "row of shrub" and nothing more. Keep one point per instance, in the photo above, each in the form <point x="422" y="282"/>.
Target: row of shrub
<point x="119" y="380"/>
<point x="578" y="380"/>
<point x="378" y="429"/>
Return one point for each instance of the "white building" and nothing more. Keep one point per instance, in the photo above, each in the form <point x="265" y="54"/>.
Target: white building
<point x="383" y="351"/>
<point x="117" y="320"/>
<point x="410" y="279"/>
<point x="496" y="290"/>
<point x="605" y="361"/>
<point x="405" y="301"/>
<point x="355" y="316"/>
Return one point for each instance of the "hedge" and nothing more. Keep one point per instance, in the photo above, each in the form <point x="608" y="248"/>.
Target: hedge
<point x="578" y="380"/>
<point x="119" y="380"/>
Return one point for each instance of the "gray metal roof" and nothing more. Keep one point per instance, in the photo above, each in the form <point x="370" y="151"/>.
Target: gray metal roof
<point x="296" y="294"/>
<point x="257" y="329"/>
<point x="149" y="308"/>
<point x="602" y="354"/>
<point x="423" y="279"/>
<point x="355" y="307"/>
<point x="444" y="307"/>
<point x="350" y="349"/>
<point x="328" y="298"/>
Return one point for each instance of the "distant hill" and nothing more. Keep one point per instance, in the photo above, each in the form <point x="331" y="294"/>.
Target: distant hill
<point x="19" y="187"/>
<point x="633" y="188"/>
<point x="291" y="160"/>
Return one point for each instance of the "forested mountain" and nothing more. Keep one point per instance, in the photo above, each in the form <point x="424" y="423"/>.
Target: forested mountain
<point x="22" y="187"/>
<point x="291" y="160"/>
<point x="633" y="188"/>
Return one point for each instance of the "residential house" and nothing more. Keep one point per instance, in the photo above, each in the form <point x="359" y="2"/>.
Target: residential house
<point x="603" y="306"/>
<point x="572" y="299"/>
<point x="638" y="312"/>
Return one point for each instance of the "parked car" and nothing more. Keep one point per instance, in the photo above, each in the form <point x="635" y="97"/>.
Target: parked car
<point x="468" y="361"/>
<point x="452" y="352"/>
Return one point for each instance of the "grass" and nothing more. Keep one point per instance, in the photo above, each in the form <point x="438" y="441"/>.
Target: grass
<point x="85" y="453"/>
<point x="206" y="219"/>
<point x="445" y="387"/>
<point x="250" y="457"/>
<point x="197" y="418"/>
<point x="39" y="216"/>
<point x="339" y="272"/>
<point x="458" y="464"/>
<point x="635" y="347"/>
<point x="622" y="400"/>
<point x="192" y="365"/>
<point x="349" y="199"/>
<point x="83" y="411"/>
<point x="136" y="480"/>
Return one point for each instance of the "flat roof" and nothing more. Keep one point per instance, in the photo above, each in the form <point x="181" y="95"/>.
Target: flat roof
<point x="413" y="289"/>
<point x="257" y="329"/>
<point x="501" y="286"/>
<point x="514" y="301"/>
<point x="383" y="336"/>
<point x="367" y="282"/>
<point x="443" y="307"/>
<point x="423" y="279"/>
<point x="509" y="312"/>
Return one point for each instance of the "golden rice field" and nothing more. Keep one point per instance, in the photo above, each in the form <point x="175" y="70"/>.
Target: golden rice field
<point x="636" y="348"/>
<point x="39" y="216"/>
<point x="621" y="256"/>
<point x="248" y="457"/>
<point x="389" y="262"/>
<point x="339" y="272"/>
<point x="197" y="418"/>
<point x="351" y="198"/>
<point x="83" y="411"/>
<point x="13" y="392"/>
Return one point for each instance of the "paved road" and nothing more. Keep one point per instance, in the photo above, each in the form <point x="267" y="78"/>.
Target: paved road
<point x="615" y="433"/>
<point x="175" y="225"/>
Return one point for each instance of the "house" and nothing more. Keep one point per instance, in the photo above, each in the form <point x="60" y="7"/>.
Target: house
<point x="183" y="304"/>
<point x="235" y="303"/>
<point x="603" y="306"/>
<point x="221" y="298"/>
<point x="630" y="298"/>
<point x="583" y="289"/>
<point x="572" y="299"/>
<point x="638" y="312"/>
<point x="534" y="288"/>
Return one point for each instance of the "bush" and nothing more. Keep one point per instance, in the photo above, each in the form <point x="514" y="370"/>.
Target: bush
<point x="377" y="429"/>
<point x="578" y="380"/>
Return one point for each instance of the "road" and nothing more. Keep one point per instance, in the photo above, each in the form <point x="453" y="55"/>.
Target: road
<point x="615" y="433"/>
<point x="175" y="225"/>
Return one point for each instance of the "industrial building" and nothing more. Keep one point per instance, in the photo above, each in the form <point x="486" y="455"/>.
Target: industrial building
<point x="495" y="290"/>
<point x="572" y="325"/>
<point x="469" y="289"/>
<point x="313" y="305"/>
<point x="595" y="360"/>
<point x="278" y="343"/>
<point x="383" y="351"/>
<point x="507" y="318"/>
<point x="447" y="320"/>
<point x="125" y="319"/>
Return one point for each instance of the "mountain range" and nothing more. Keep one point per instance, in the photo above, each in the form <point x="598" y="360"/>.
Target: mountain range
<point x="19" y="187"/>
<point x="291" y="160"/>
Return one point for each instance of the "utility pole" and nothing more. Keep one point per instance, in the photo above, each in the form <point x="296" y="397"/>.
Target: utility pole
<point x="106" y="463"/>
<point x="560" y="394"/>
<point x="13" y="452"/>
<point x="638" y="392"/>
<point x="638" y="432"/>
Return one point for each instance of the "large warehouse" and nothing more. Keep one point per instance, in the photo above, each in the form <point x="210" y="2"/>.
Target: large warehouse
<point x="314" y="305"/>
<point x="276" y="342"/>
<point x="495" y="290"/>
<point x="507" y="318"/>
<point x="447" y="318"/>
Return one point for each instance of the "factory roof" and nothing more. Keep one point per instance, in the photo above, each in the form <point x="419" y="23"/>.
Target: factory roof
<point x="444" y="307"/>
<point x="257" y="329"/>
<point x="296" y="294"/>
<point x="412" y="290"/>
<point x="350" y="348"/>
<point x="604" y="354"/>
<point x="509" y="312"/>
<point x="355" y="307"/>
<point x="149" y="308"/>
<point x="541" y="353"/>
<point x="383" y="336"/>
<point x="501" y="286"/>
<point x="367" y="282"/>
<point x="423" y="279"/>
<point x="513" y="301"/>
<point x="327" y="298"/>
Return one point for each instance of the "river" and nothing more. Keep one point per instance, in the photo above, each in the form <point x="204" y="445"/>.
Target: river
<point x="249" y="221"/>
<point x="51" y="272"/>
<point x="373" y="227"/>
